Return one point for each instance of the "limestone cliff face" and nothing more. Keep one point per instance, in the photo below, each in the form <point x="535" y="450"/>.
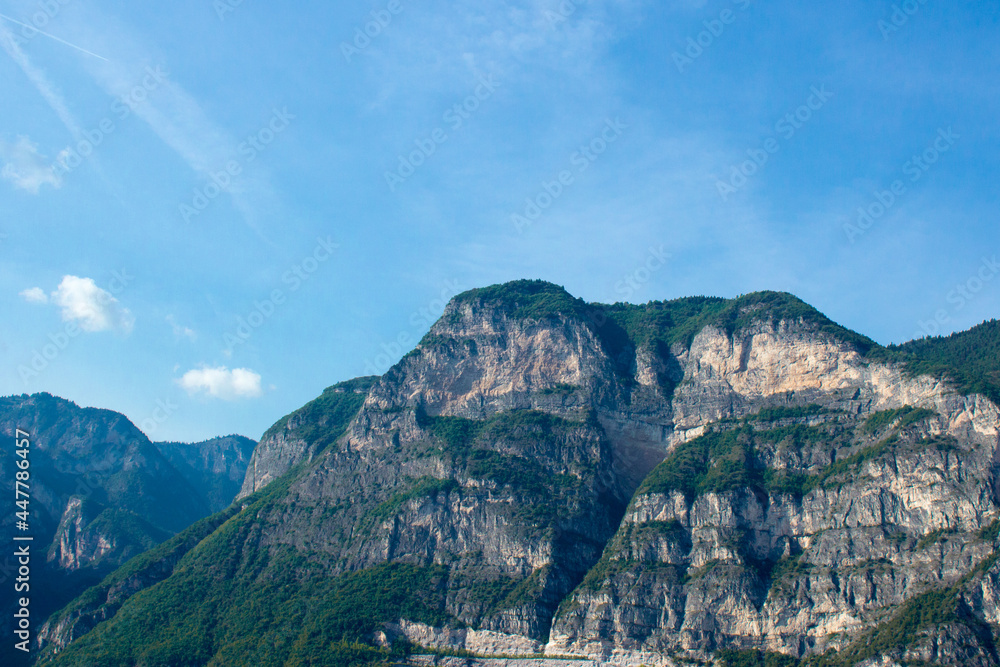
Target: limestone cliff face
<point x="271" y="459"/>
<point x="631" y="485"/>
<point x="795" y="573"/>
<point x="91" y="536"/>
<point x="298" y="437"/>
<point x="745" y="568"/>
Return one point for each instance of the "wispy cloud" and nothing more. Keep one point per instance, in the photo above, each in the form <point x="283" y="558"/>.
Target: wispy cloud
<point x="35" y="295"/>
<point x="181" y="331"/>
<point x="174" y="115"/>
<point x="51" y="36"/>
<point x="25" y="167"/>
<point x="39" y="80"/>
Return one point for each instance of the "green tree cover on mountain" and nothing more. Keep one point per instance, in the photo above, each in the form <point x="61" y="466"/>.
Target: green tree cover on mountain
<point x="901" y="417"/>
<point x="233" y="605"/>
<point x="459" y="436"/>
<point x="656" y="322"/>
<point x="969" y="358"/>
<point x="322" y="420"/>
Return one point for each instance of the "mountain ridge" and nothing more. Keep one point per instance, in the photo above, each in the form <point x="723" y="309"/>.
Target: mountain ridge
<point x="100" y="493"/>
<point x="502" y="490"/>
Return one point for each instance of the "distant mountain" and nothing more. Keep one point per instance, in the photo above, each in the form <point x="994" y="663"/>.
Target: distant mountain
<point x="215" y="467"/>
<point x="100" y="493"/>
<point x="698" y="481"/>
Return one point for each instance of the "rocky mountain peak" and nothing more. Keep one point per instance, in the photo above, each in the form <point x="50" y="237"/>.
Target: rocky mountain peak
<point x="628" y="484"/>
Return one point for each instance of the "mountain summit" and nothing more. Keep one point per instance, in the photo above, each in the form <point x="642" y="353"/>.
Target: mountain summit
<point x="658" y="484"/>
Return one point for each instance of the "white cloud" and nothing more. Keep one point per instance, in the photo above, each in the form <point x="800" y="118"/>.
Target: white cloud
<point x="180" y="331"/>
<point x="92" y="307"/>
<point x="25" y="167"/>
<point x="35" y="295"/>
<point x="222" y="383"/>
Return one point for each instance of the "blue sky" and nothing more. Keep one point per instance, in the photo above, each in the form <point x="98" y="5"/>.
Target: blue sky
<point x="210" y="211"/>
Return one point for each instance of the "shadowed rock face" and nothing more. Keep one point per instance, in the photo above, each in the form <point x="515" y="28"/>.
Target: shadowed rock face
<point x="100" y="489"/>
<point x="619" y="483"/>
<point x="216" y="467"/>
<point x="100" y="493"/>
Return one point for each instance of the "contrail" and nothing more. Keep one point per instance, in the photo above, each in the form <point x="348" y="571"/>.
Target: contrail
<point x="89" y="53"/>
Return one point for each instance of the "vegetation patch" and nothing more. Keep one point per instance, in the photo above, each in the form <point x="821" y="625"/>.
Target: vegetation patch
<point x="527" y="299"/>
<point x="527" y="591"/>
<point x="698" y="573"/>
<point x="990" y="532"/>
<point x="785" y="412"/>
<point x="560" y="388"/>
<point x="277" y="616"/>
<point x="715" y="462"/>
<point x="456" y="432"/>
<point x="129" y="526"/>
<point x="926" y="610"/>
<point x="324" y="419"/>
<point x="546" y="494"/>
<point x="935" y="536"/>
<point x="731" y="658"/>
<point x="789" y="567"/>
<point x="905" y="416"/>
<point x="727" y="460"/>
<point x="423" y="488"/>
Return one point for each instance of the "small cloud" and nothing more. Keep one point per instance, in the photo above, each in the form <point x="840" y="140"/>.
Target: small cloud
<point x="222" y="383"/>
<point x="25" y="167"/>
<point x="93" y="308"/>
<point x="35" y="295"/>
<point x="179" y="331"/>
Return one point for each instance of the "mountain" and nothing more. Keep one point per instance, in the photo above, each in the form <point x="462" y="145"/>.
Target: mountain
<point x="100" y="493"/>
<point x="216" y="467"/>
<point x="740" y="480"/>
